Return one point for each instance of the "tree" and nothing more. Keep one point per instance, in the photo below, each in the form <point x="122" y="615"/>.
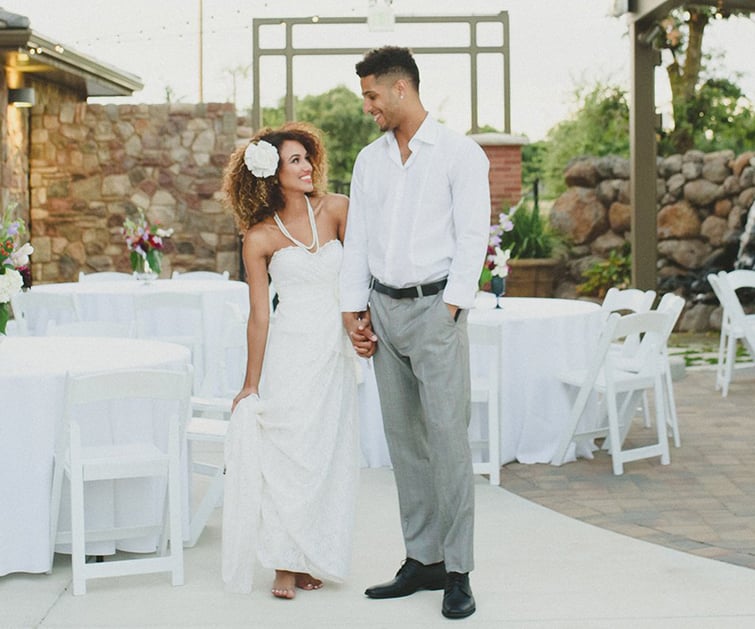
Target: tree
<point x="273" y="116"/>
<point x="346" y="128"/>
<point x="599" y="127"/>
<point x="237" y="73"/>
<point x="681" y="35"/>
<point x="717" y="117"/>
<point x="338" y="113"/>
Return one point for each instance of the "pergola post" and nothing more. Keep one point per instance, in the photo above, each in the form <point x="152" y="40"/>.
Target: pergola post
<point x="643" y="170"/>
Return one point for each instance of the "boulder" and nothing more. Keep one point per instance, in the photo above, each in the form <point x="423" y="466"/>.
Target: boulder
<point x="689" y="253"/>
<point x="620" y="217"/>
<point x="582" y="173"/>
<point x="678" y="220"/>
<point x="702" y="192"/>
<point x="579" y="214"/>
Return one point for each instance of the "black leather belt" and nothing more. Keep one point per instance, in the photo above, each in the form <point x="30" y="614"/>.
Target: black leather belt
<point x="410" y="292"/>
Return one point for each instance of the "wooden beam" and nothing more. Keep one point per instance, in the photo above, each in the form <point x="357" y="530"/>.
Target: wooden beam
<point x="643" y="171"/>
<point x="647" y="11"/>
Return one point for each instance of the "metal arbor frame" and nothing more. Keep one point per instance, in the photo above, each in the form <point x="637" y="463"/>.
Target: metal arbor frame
<point x="289" y="51"/>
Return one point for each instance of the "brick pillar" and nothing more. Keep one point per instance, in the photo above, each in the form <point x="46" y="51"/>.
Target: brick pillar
<point x="505" y="154"/>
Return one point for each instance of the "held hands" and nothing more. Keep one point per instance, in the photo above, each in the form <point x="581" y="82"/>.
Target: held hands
<point x="359" y="328"/>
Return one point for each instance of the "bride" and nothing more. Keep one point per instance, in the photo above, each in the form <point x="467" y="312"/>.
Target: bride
<point x="292" y="457"/>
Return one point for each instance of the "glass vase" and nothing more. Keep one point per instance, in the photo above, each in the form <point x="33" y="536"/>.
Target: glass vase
<point x="498" y="288"/>
<point x="142" y="268"/>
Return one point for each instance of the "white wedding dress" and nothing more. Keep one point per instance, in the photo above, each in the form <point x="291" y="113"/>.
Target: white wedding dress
<point x="292" y="457"/>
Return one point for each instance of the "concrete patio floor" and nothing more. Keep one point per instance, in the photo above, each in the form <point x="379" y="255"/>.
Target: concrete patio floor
<point x="702" y="503"/>
<point x="656" y="547"/>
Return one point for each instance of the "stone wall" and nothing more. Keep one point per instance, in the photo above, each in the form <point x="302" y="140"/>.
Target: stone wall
<point x="703" y="200"/>
<point x="93" y="165"/>
<point x="15" y="123"/>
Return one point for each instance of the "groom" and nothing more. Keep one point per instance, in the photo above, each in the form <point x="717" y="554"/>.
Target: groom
<point x="415" y="242"/>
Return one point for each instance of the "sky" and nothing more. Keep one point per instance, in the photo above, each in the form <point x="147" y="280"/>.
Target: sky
<point x="556" y="46"/>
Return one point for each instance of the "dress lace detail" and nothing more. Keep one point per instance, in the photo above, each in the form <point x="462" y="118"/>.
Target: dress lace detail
<point x="292" y="459"/>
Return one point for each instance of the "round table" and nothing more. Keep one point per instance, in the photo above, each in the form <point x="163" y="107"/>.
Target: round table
<point x="113" y="301"/>
<point x="539" y="338"/>
<point x="32" y="391"/>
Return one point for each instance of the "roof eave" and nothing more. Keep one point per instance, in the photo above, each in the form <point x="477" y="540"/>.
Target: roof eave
<point x="100" y="78"/>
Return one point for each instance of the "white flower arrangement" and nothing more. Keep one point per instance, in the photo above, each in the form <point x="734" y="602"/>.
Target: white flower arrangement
<point x="11" y="283"/>
<point x="20" y="257"/>
<point x="261" y="159"/>
<point x="14" y="256"/>
<point x="500" y="262"/>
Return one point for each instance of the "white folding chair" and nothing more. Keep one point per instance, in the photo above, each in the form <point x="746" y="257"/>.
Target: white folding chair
<point x="174" y="318"/>
<point x="486" y="338"/>
<point x="91" y="328"/>
<point x="606" y="378"/>
<point x="209" y="422"/>
<point x="627" y="301"/>
<point x="34" y="311"/>
<point x="200" y="275"/>
<point x="105" y="276"/>
<point x="87" y="399"/>
<point x="736" y="326"/>
<point x="671" y="305"/>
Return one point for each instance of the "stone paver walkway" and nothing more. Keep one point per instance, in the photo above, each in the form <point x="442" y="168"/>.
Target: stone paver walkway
<point x="702" y="503"/>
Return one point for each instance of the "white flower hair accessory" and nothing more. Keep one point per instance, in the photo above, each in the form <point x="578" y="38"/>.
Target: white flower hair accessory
<point x="261" y="159"/>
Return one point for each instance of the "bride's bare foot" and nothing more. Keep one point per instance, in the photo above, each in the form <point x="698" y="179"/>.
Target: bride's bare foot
<point x="307" y="581"/>
<point x="285" y="584"/>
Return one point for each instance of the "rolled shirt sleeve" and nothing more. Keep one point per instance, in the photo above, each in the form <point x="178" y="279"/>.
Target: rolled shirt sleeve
<point x="471" y="218"/>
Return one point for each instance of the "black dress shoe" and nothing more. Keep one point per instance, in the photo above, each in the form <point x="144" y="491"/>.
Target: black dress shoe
<point x="412" y="576"/>
<point x="458" y="601"/>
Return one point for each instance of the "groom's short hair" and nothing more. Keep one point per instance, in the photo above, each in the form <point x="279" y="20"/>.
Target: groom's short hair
<point x="389" y="60"/>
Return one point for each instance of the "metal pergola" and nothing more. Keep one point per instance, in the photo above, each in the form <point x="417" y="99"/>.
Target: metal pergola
<point x="289" y="51"/>
<point x="643" y="15"/>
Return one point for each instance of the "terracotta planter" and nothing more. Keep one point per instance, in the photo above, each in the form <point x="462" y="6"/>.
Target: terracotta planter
<point x="531" y="277"/>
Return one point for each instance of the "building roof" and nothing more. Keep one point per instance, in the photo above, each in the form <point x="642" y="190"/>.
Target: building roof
<point x="28" y="52"/>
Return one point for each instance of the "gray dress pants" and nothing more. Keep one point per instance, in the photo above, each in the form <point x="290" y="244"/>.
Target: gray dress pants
<point x="422" y="372"/>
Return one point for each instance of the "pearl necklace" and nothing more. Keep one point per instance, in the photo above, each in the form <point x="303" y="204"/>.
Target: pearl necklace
<point x="315" y="238"/>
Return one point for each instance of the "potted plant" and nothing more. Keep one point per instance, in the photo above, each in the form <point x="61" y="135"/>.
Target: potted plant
<point x="532" y="243"/>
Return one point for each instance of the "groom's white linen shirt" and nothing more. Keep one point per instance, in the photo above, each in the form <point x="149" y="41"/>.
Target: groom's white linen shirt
<point x="417" y="222"/>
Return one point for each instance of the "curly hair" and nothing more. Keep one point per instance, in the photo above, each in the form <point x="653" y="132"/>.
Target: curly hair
<point x="389" y="60"/>
<point x="251" y="198"/>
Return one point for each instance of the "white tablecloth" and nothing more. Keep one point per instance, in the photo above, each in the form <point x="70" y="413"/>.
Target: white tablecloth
<point x="31" y="390"/>
<point x="113" y="301"/>
<point x="539" y="338"/>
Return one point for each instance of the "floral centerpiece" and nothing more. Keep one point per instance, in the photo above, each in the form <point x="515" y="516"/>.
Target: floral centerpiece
<point x="496" y="267"/>
<point x="146" y="243"/>
<point x="14" y="260"/>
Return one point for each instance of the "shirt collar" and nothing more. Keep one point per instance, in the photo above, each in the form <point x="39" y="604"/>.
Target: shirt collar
<point x="426" y="133"/>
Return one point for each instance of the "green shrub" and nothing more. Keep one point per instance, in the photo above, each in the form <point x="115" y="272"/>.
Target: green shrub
<point x="616" y="271"/>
